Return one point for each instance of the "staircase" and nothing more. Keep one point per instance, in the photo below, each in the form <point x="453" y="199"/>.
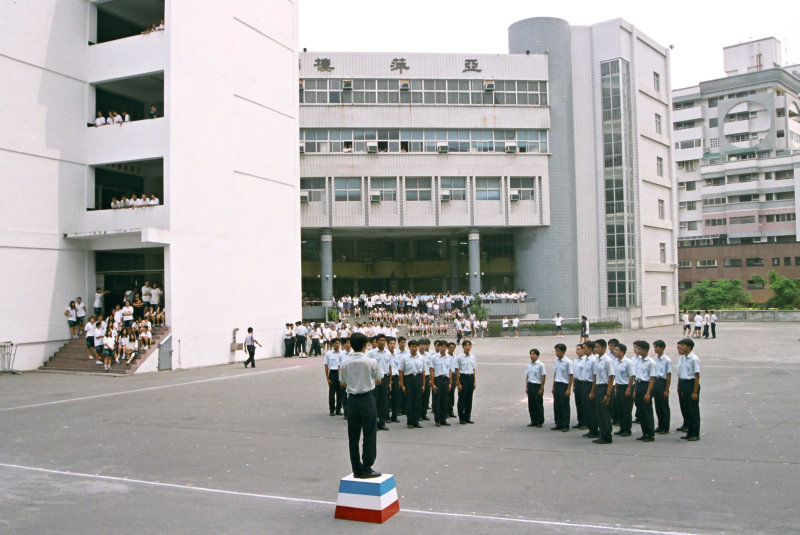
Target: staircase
<point x="72" y="357"/>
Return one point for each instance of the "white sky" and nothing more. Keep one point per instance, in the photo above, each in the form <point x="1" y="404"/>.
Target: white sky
<point x="698" y="29"/>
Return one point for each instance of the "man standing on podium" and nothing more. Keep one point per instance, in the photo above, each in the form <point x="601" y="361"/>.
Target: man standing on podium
<point x="359" y="375"/>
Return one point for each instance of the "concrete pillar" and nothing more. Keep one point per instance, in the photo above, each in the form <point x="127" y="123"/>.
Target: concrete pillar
<point x="453" y="253"/>
<point x="474" y="261"/>
<point x="326" y="261"/>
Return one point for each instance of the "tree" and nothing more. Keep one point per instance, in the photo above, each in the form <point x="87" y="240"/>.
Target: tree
<point x="785" y="291"/>
<point x="715" y="295"/>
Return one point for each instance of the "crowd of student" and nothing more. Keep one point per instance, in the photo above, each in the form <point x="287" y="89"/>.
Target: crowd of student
<point x="702" y="322"/>
<point x="154" y="28"/>
<point x="114" y="117"/>
<point x="122" y="334"/>
<point x="135" y="201"/>
<point x="431" y="303"/>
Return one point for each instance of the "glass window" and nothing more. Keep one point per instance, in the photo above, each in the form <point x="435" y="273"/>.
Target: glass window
<point x="456" y="185"/>
<point x="418" y="188"/>
<point x="315" y="188"/>
<point x="526" y="185"/>
<point x="387" y="186"/>
<point x="347" y="188"/>
<point x="661" y="209"/>
<point x="487" y="188"/>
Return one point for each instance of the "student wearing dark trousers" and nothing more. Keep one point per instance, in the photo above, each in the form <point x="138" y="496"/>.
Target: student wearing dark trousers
<point x="645" y="377"/>
<point x="250" y="346"/>
<point x="623" y="390"/>
<point x="535" y="378"/>
<point x="689" y="389"/>
<point x="396" y="401"/>
<point x="661" y="386"/>
<point x="426" y="354"/>
<point x="441" y="373"/>
<point x="451" y="401"/>
<point x="332" y="362"/>
<point x="562" y="387"/>
<point x="466" y="370"/>
<point x="288" y="341"/>
<point x="384" y="358"/>
<point x="578" y="368"/>
<point x="598" y="350"/>
<point x="601" y="394"/>
<point x="412" y="374"/>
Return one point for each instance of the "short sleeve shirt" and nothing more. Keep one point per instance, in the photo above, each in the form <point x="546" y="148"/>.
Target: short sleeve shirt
<point x="604" y="370"/>
<point x="663" y="366"/>
<point x="535" y="371"/>
<point x="332" y="360"/>
<point x="562" y="369"/>
<point x="688" y="365"/>
<point x="645" y="369"/>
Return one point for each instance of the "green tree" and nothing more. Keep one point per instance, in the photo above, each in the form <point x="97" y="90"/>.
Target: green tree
<point x="715" y="295"/>
<point x="785" y="291"/>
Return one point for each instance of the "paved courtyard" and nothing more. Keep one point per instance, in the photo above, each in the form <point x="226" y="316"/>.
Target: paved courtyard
<point x="229" y="450"/>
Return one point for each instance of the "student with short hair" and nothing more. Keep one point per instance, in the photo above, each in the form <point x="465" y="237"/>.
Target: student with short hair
<point x="250" y="348"/>
<point x="397" y="398"/>
<point x="584" y="329"/>
<point x="441" y="374"/>
<point x="559" y="321"/>
<point x="689" y="389"/>
<point x="687" y="325"/>
<point x="601" y="395"/>
<point x="412" y="383"/>
<point x="562" y="386"/>
<point x="661" y="386"/>
<point x="288" y="341"/>
<point x="332" y="361"/>
<point x="466" y="370"/>
<point x="381" y="391"/>
<point x="535" y="379"/>
<point x="645" y="377"/>
<point x="624" y="376"/>
<point x="99" y="120"/>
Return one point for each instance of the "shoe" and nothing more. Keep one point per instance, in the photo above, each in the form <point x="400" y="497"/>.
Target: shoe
<point x="367" y="473"/>
<point x="529" y="425"/>
<point x="469" y="421"/>
<point x="338" y="413"/>
<point x="591" y="435"/>
<point x="451" y="415"/>
<point x="425" y="418"/>
<point x="625" y="434"/>
<point x="539" y="425"/>
<point x="601" y="441"/>
<point x="394" y="420"/>
<point x="445" y="424"/>
<point x="410" y="426"/>
<point x="555" y="428"/>
<point x="438" y="424"/>
<point x="418" y="426"/>
<point x="462" y="422"/>
<point x="382" y="428"/>
<point x="564" y="429"/>
<point x="331" y="413"/>
<point x="685" y="437"/>
<point x="618" y="432"/>
<point x="648" y="438"/>
<point x="682" y="429"/>
<point x="578" y="426"/>
<point x="583" y="428"/>
<point x="693" y="439"/>
<point x="663" y="432"/>
<point x="636" y="421"/>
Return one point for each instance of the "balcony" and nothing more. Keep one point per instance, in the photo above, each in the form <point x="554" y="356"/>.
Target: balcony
<point x="136" y="55"/>
<point x="142" y="225"/>
<point x="137" y="140"/>
<point x="687" y="114"/>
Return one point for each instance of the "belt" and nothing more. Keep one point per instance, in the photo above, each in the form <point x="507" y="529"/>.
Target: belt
<point x="360" y="395"/>
<point x="411" y="374"/>
<point x="464" y="373"/>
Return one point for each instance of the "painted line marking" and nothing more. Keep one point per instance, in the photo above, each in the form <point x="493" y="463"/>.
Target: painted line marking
<point x="151" y="388"/>
<point x="467" y="516"/>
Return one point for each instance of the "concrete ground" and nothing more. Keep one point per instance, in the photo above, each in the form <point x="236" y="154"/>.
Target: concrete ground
<point x="228" y="450"/>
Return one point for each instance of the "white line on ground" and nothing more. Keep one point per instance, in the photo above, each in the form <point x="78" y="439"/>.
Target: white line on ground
<point x="149" y="389"/>
<point x="467" y="516"/>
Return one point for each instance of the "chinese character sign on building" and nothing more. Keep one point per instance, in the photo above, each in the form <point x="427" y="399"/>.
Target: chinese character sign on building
<point x="399" y="64"/>
<point x="323" y="64"/>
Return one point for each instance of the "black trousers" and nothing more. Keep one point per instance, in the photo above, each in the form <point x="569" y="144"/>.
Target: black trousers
<point x="561" y="411"/>
<point x="713" y="330"/>
<point x="426" y="398"/>
<point x="465" y="396"/>
<point x="578" y="389"/>
<point x="602" y="411"/>
<point x="381" y="393"/>
<point x="535" y="403"/>
<point x="662" y="405"/>
<point x="451" y="399"/>
<point x="622" y="408"/>
<point x="590" y="412"/>
<point x="413" y="384"/>
<point x="690" y="409"/>
<point x="251" y="359"/>
<point x="316" y="349"/>
<point x="645" y="409"/>
<point x="300" y="345"/>
<point x="288" y="347"/>
<point x="334" y="391"/>
<point x="396" y="397"/>
<point x="705" y="331"/>
<point x="440" y="398"/>
<point x="362" y="418"/>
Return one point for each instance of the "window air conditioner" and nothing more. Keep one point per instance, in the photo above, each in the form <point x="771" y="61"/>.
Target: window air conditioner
<point x="445" y="196"/>
<point x="304" y="198"/>
<point x="760" y="240"/>
<point x="442" y="148"/>
<point x="347" y="85"/>
<point x="302" y="148"/>
<point x="514" y="195"/>
<point x="405" y="85"/>
<point x="372" y="147"/>
<point x="374" y="196"/>
<point x="511" y="148"/>
<point x="488" y="85"/>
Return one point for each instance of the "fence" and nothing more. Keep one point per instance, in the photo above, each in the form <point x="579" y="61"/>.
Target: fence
<point x="759" y="315"/>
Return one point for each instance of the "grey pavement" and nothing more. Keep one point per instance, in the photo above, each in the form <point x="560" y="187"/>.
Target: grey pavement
<point x="229" y="450"/>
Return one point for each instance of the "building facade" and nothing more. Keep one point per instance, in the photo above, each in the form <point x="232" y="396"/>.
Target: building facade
<point x="737" y="148"/>
<point x="463" y="172"/>
<point x="223" y="240"/>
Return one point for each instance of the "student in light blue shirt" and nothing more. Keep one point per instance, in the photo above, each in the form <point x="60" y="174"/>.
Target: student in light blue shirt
<point x="645" y="377"/>
<point x="689" y="389"/>
<point x="661" y="386"/>
<point x="624" y="376"/>
<point x="535" y="378"/>
<point x="562" y="387"/>
<point x="331" y="362"/>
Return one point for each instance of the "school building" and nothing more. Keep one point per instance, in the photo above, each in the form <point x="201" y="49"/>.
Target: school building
<point x="548" y="169"/>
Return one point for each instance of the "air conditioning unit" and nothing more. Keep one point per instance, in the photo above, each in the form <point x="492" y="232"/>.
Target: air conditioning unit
<point x="405" y="85"/>
<point x="302" y="148"/>
<point x="514" y="195"/>
<point x="304" y="198"/>
<point x="374" y="196"/>
<point x="445" y="196"/>
<point x="347" y="85"/>
<point x="372" y="147"/>
<point x="511" y="148"/>
<point x="442" y="147"/>
<point x="760" y="239"/>
<point x="488" y="85"/>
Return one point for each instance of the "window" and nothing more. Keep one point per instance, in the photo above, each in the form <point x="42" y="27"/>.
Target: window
<point x="777" y="218"/>
<point x="662" y="252"/>
<point x="776" y="260"/>
<point x="684" y="285"/>
<point x="691" y="186"/>
<point x="347" y="188"/>
<point x="387" y="186"/>
<point x="663" y="296"/>
<point x="661" y="209"/>
<point x="784" y="196"/>
<point x="659" y="166"/>
<point x="658" y="123"/>
<point x="687" y="165"/>
<point x="753" y="285"/>
<point x="656" y="82"/>
<point x="708" y="263"/>
<point x="717" y="222"/>
<point x="682" y="125"/>
<point x="780" y="133"/>
<point x="315" y="187"/>
<point x="526" y="186"/>
<point x="714" y="201"/>
<point x="689" y="143"/>
<point x="691" y="225"/>
<point x="718" y="181"/>
<point x="418" y="188"/>
<point x="787" y="260"/>
<point x="688" y="205"/>
<point x="713" y="122"/>
<point x="784" y="175"/>
<point x="684" y="264"/>
<point x="712" y="102"/>
<point x="487" y="188"/>
<point x="743" y="220"/>
<point x="733" y="262"/>
<point x="683" y="105"/>
<point x="754" y="262"/>
<point x="456" y="185"/>
<point x="713" y="142"/>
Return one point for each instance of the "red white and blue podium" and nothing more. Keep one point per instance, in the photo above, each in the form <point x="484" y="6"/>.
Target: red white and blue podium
<point x="367" y="500"/>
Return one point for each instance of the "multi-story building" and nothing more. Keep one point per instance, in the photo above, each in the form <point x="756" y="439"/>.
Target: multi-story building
<point x="546" y="169"/>
<point x="737" y="148"/>
<point x="221" y="158"/>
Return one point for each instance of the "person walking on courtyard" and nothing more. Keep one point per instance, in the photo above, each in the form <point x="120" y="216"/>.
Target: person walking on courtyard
<point x="250" y="348"/>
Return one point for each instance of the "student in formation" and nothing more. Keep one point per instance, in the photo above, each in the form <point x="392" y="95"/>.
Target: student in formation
<point x="381" y="391"/>
<point x="288" y="341"/>
<point x="562" y="387"/>
<point x="535" y="378"/>
<point x="331" y="362"/>
<point x="601" y="394"/>
<point x="593" y="351"/>
<point x="466" y="370"/>
<point x="515" y="326"/>
<point x="412" y="374"/>
<point x="580" y="385"/>
<point x="645" y="377"/>
<point x="689" y="389"/>
<point x="623" y="390"/>
<point x="426" y="353"/>
<point x="397" y="400"/>
<point x="451" y="398"/>
<point x="441" y="374"/>
<point x="661" y="386"/>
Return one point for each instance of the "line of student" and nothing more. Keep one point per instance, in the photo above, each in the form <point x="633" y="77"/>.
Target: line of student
<point x="606" y="384"/>
<point x="411" y="373"/>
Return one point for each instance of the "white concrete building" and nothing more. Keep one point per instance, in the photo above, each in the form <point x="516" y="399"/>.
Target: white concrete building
<point x="436" y="172"/>
<point x="221" y="157"/>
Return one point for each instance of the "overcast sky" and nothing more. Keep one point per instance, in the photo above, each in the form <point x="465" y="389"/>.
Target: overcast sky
<point x="697" y="29"/>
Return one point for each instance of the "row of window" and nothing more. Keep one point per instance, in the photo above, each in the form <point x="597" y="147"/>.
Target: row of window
<point x="742" y="220"/>
<point x="427" y="91"/>
<point x="691" y="165"/>
<point x="712" y="102"/>
<point x="346" y="140"/>
<point x="418" y="188"/>
<point x="737" y="262"/>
